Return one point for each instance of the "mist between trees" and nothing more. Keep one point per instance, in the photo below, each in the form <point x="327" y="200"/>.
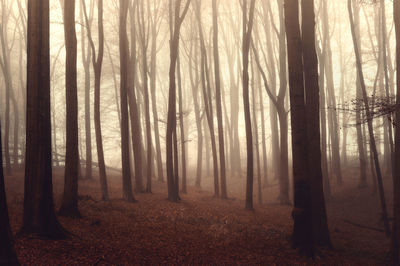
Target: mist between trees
<point x="234" y="97"/>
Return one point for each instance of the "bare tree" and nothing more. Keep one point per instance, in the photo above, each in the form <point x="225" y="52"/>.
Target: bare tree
<point x="124" y="51"/>
<point x="7" y="251"/>
<point x="97" y="61"/>
<point x="39" y="216"/>
<point x="69" y="206"/>
<point x="176" y="21"/>
<point x="86" y="57"/>
<point x="396" y="175"/>
<point x="248" y="20"/>
<point x="369" y="120"/>
<point x="218" y="100"/>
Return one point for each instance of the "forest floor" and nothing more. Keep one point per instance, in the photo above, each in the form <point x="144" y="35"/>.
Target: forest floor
<point x="201" y="229"/>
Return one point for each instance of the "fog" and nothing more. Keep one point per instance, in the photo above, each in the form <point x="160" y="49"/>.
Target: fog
<point x="207" y="95"/>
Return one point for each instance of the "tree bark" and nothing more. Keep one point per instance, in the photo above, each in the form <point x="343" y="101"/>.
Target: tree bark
<point x="310" y="61"/>
<point x="86" y="57"/>
<point x="124" y="52"/>
<point x="7" y="251"/>
<point x="176" y="20"/>
<point x="218" y="100"/>
<point x="396" y="175"/>
<point x="247" y="29"/>
<point x="369" y="121"/>
<point x="69" y="206"/>
<point x="39" y="216"/>
<point x="97" y="66"/>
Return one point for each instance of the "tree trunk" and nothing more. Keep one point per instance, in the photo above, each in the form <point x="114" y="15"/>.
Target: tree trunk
<point x="330" y="93"/>
<point x="310" y="61"/>
<point x="176" y="20"/>
<point x="134" y="109"/>
<point x="302" y="215"/>
<point x="69" y="206"/>
<point x="396" y="174"/>
<point x="39" y="216"/>
<point x="256" y="83"/>
<point x="181" y="127"/>
<point x="194" y="81"/>
<point x="369" y="121"/>
<point x="124" y="51"/>
<point x="247" y="29"/>
<point x="218" y="100"/>
<point x="88" y="129"/>
<point x="7" y="251"/>
<point x="206" y="89"/>
<point x="153" y="90"/>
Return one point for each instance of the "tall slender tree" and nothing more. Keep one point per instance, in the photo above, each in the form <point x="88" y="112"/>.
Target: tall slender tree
<point x="372" y="143"/>
<point x="176" y="21"/>
<point x="39" y="216"/>
<point x="248" y="20"/>
<point x="123" y="52"/>
<point x="97" y="61"/>
<point x="86" y="57"/>
<point x="7" y="251"/>
<point x="310" y="61"/>
<point x="69" y="206"/>
<point x="396" y="176"/>
<point x="218" y="100"/>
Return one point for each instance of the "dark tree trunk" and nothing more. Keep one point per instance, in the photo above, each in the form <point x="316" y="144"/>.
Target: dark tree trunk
<point x="39" y="216"/>
<point x="369" y="121"/>
<point x="247" y="29"/>
<point x="302" y="215"/>
<point x="396" y="176"/>
<point x="69" y="206"/>
<point x="218" y="100"/>
<point x="97" y="66"/>
<point x="124" y="60"/>
<point x="181" y="128"/>
<point x="176" y="20"/>
<point x="310" y="61"/>
<point x="133" y="108"/>
<point x="7" y="252"/>
<point x="86" y="57"/>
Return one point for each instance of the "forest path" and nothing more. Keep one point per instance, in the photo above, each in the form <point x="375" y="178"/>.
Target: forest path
<point x="200" y="229"/>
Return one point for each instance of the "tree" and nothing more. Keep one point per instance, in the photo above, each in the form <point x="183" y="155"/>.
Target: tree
<point x="176" y="21"/>
<point x="5" y="65"/>
<point x="133" y="106"/>
<point x="39" y="216"/>
<point x="302" y="228"/>
<point x="86" y="57"/>
<point x="310" y="61"/>
<point x="155" y="24"/>
<point x="309" y="215"/>
<point x="124" y="51"/>
<point x="69" y="206"/>
<point x="144" y="42"/>
<point x="396" y="174"/>
<point x="207" y="98"/>
<point x="7" y="252"/>
<point x="224" y="193"/>
<point x="247" y="28"/>
<point x="97" y="62"/>
<point x="369" y="117"/>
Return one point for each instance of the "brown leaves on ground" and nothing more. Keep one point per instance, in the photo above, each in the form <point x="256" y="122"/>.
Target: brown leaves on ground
<point x="200" y="229"/>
